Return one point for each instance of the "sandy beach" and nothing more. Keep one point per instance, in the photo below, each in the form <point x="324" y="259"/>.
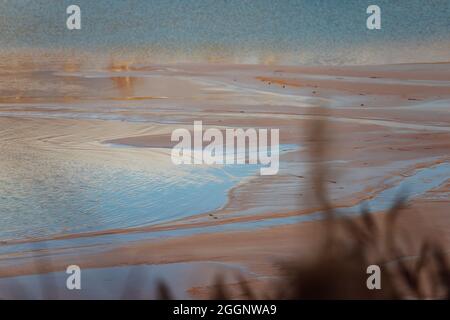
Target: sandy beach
<point x="87" y="177"/>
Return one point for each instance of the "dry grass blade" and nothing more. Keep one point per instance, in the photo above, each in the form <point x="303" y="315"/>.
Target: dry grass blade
<point x="220" y="291"/>
<point x="163" y="292"/>
<point x="247" y="292"/>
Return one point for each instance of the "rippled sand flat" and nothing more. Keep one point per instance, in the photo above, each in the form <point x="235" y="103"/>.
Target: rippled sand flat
<point x="85" y="157"/>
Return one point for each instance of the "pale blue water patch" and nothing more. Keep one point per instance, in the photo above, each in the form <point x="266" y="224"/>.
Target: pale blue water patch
<point x="422" y="181"/>
<point x="135" y="282"/>
<point x="314" y="31"/>
<point x="42" y="196"/>
<point x="99" y="199"/>
<point x="413" y="186"/>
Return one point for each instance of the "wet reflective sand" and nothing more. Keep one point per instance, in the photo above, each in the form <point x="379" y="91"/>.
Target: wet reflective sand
<point x="84" y="158"/>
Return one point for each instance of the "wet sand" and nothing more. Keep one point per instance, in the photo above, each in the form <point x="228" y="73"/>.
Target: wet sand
<point x="384" y="121"/>
<point x="140" y="282"/>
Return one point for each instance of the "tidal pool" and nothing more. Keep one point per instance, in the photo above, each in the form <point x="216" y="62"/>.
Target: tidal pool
<point x="42" y="195"/>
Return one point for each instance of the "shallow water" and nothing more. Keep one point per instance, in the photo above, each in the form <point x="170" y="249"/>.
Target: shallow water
<point x="417" y="184"/>
<point x="74" y="199"/>
<point x="42" y="195"/>
<point x="129" y="282"/>
<point x="287" y="31"/>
